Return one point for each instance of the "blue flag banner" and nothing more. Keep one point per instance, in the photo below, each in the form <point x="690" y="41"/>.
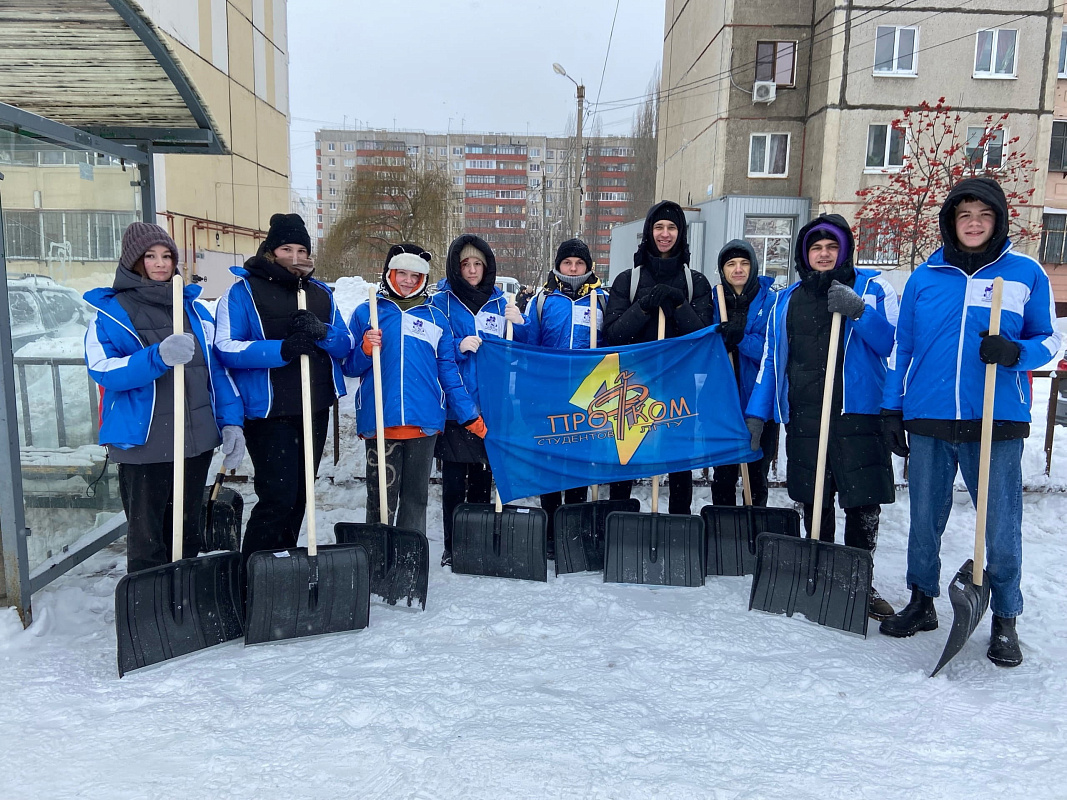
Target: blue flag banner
<point x="559" y="419"/>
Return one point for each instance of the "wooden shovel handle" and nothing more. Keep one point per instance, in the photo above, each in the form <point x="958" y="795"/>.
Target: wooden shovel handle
<point x="309" y="459"/>
<point x="746" y="488"/>
<point x="824" y="425"/>
<point x="508" y="334"/>
<point x="595" y="489"/>
<point x="986" y="448"/>
<point x="379" y="413"/>
<point x="661" y="331"/>
<point x="177" y="529"/>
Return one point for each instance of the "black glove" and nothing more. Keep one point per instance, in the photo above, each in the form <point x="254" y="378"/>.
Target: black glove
<point x="755" y="427"/>
<point x="297" y="344"/>
<point x="666" y="297"/>
<point x="998" y="350"/>
<point x="733" y="331"/>
<point x="893" y="431"/>
<point x="303" y="321"/>
<point x="841" y="299"/>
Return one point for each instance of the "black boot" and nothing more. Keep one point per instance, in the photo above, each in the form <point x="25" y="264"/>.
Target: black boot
<point x="1004" y="643"/>
<point x="918" y="615"/>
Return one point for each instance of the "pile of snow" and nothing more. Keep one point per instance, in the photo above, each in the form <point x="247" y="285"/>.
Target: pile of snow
<point x="349" y="293"/>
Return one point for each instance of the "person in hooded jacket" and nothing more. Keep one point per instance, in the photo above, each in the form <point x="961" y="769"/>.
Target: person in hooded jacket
<point x="130" y="351"/>
<point x="935" y="393"/>
<point x="660" y="279"/>
<point x="789" y="386"/>
<point x="260" y="336"/>
<point x="419" y="375"/>
<point x="749" y="299"/>
<point x="559" y="317"/>
<point x="475" y="309"/>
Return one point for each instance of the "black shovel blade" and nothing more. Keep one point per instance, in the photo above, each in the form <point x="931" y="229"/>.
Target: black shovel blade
<point x="579" y="530"/>
<point x="509" y="544"/>
<point x="177" y="609"/>
<point x="969" y="604"/>
<point x="657" y="549"/>
<point x="221" y="520"/>
<point x="732" y="531"/>
<point x="828" y="583"/>
<point x="399" y="559"/>
<point x="292" y="594"/>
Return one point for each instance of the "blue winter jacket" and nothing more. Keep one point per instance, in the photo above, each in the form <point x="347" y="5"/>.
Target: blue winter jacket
<point x="243" y="348"/>
<point x="935" y="371"/>
<point x="751" y="347"/>
<point x="489" y="324"/>
<point x="868" y="343"/>
<point x="564" y="323"/>
<point x="119" y="361"/>
<point x="419" y="373"/>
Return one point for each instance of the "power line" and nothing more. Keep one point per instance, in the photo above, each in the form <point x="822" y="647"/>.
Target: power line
<point x="607" y="52"/>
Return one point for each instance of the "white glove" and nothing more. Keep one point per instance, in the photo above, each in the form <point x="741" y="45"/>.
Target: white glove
<point x="233" y="446"/>
<point x="513" y="315"/>
<point x="178" y="348"/>
<point x="470" y="344"/>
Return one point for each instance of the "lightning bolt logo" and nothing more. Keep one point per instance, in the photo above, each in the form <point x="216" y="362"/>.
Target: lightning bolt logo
<point x="612" y="394"/>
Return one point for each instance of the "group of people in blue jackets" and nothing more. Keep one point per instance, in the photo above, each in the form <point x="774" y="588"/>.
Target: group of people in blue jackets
<point x="909" y="378"/>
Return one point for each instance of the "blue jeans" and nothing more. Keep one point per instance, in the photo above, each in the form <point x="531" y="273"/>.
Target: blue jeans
<point x="931" y="472"/>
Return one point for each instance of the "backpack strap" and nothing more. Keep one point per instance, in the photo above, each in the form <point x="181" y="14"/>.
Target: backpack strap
<point x="540" y="303"/>
<point x="688" y="283"/>
<point x="635" y="278"/>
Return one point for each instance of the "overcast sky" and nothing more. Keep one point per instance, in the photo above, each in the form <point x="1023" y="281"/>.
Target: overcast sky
<point x="473" y="65"/>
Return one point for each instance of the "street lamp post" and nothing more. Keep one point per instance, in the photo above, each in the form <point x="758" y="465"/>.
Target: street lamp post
<point x="576" y="212"/>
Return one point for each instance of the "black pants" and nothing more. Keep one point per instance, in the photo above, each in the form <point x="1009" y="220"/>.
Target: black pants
<point x="276" y="447"/>
<point x="724" y="480"/>
<point x="146" y="491"/>
<point x="462" y="483"/>
<point x="407" y="481"/>
<point x="861" y="525"/>
<point x="553" y="500"/>
<point x="680" y="485"/>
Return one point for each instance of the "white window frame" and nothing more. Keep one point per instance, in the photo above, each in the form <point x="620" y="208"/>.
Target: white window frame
<point x="894" y="72"/>
<point x="330" y="147"/>
<point x="993" y="74"/>
<point x="1061" y="70"/>
<point x="886" y="250"/>
<point x="885" y="166"/>
<point x="350" y="147"/>
<point x="985" y="148"/>
<point x="766" y="154"/>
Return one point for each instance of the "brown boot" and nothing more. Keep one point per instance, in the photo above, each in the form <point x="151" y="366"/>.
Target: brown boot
<point x="879" y="607"/>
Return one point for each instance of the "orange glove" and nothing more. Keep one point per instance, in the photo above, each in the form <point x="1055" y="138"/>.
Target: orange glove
<point x="370" y="339"/>
<point x="477" y="427"/>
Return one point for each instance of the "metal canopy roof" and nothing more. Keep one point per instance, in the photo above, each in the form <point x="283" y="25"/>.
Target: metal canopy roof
<point x="101" y="66"/>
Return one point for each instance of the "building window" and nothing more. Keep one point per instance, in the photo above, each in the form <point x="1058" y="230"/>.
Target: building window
<point x="1061" y="70"/>
<point x="772" y="239"/>
<point x="768" y="155"/>
<point x="985" y="148"/>
<point x="875" y="245"/>
<point x="331" y="176"/>
<point x="333" y="206"/>
<point x="550" y="168"/>
<point x="535" y="152"/>
<point x="550" y="153"/>
<point x="349" y="162"/>
<point x="330" y="146"/>
<point x="1057" y="159"/>
<point x="776" y="61"/>
<point x="1053" y="239"/>
<point x="457" y="151"/>
<point x="350" y="147"/>
<point x="331" y="162"/>
<point x="535" y="167"/>
<point x="332" y="192"/>
<point x="885" y="147"/>
<point x="994" y="53"/>
<point x="457" y="181"/>
<point x="895" y="50"/>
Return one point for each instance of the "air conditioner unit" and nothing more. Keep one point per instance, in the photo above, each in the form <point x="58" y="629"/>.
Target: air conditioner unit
<point x="764" y="91"/>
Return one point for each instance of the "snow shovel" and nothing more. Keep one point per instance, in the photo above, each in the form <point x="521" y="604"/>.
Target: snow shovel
<point x="307" y="591"/>
<point x="657" y="549"/>
<point x="731" y="531"/>
<point x="221" y="516"/>
<point x="580" y="527"/>
<point x="500" y="541"/>
<point x="191" y="603"/>
<point x="399" y="559"/>
<point x="969" y="591"/>
<point x="828" y="583"/>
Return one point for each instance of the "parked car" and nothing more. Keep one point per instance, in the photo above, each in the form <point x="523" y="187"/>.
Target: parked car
<point x="39" y="307"/>
<point x="509" y="286"/>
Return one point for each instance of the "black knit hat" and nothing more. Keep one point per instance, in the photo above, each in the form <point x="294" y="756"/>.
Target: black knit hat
<point x="286" y="229"/>
<point x="574" y="248"/>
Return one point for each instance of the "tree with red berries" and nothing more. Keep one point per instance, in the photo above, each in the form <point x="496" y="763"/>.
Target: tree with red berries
<point x="929" y="152"/>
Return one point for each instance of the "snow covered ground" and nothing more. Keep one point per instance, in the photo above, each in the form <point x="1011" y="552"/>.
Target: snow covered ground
<point x="574" y="688"/>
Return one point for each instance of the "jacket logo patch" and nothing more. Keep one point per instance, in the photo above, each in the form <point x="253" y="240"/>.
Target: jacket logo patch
<point x="580" y="316"/>
<point x="489" y="323"/>
<point x="422" y="329"/>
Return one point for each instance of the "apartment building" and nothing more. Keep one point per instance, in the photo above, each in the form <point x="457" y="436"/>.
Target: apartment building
<point x="1054" y="221"/>
<point x="513" y="191"/>
<point x="778" y="98"/>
